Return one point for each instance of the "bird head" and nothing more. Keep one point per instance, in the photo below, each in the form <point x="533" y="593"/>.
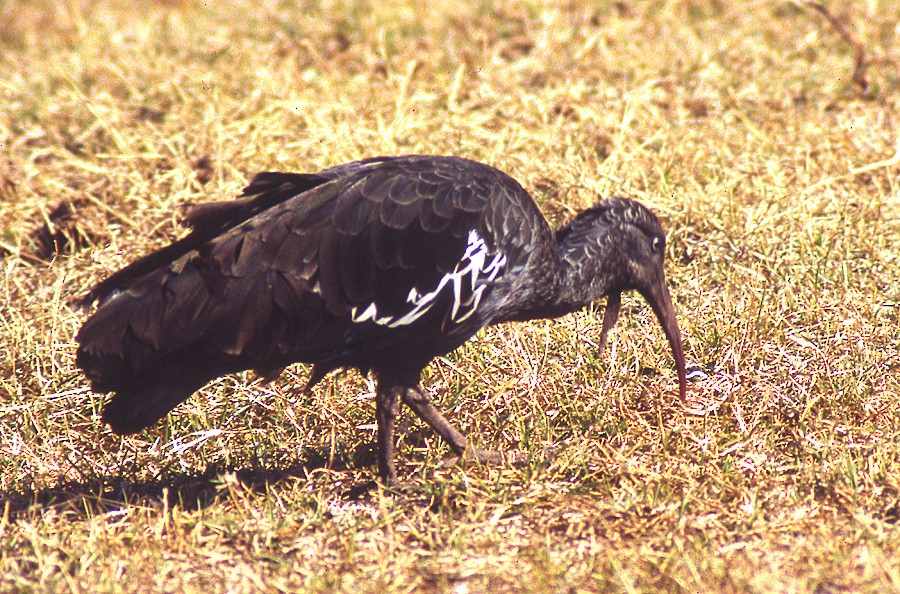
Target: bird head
<point x="616" y="246"/>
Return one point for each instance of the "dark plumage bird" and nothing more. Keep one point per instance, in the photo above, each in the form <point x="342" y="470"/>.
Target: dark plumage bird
<point x="381" y="264"/>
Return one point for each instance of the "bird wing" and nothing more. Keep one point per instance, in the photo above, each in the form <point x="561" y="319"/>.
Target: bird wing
<point x="389" y="245"/>
<point x="341" y="268"/>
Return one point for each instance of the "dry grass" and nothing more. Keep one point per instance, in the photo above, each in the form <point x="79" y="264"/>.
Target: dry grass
<point x="741" y="126"/>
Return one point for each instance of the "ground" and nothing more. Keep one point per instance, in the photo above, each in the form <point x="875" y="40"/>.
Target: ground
<point x="764" y="135"/>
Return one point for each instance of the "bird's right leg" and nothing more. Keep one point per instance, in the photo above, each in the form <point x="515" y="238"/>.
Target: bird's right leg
<point x="416" y="399"/>
<point x="387" y="406"/>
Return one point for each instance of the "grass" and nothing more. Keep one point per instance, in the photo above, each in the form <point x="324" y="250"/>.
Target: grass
<point x="741" y="126"/>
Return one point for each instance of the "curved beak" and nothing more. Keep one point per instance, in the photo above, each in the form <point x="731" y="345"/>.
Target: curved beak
<point x="657" y="295"/>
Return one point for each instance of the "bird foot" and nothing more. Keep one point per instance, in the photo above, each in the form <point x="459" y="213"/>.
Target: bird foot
<point x="495" y="458"/>
<point x="700" y="406"/>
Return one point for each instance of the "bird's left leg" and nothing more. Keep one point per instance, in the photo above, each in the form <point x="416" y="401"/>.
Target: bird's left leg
<point x="416" y="399"/>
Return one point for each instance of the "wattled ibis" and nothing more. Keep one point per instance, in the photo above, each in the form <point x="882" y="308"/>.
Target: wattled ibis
<point x="379" y="265"/>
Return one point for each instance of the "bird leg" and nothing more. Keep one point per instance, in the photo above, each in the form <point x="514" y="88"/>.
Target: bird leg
<point x="388" y="395"/>
<point x="387" y="406"/>
<point x="416" y="399"/>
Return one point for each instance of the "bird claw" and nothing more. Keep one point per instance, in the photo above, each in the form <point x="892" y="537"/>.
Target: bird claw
<point x="699" y="406"/>
<point x="516" y="459"/>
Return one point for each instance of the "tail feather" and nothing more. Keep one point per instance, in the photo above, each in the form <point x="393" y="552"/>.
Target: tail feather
<point x="148" y="397"/>
<point x="208" y="221"/>
<point x="152" y="363"/>
<point x="177" y="318"/>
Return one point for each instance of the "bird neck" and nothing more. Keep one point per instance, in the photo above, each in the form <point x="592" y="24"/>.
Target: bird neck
<point x="586" y="272"/>
<point x="579" y="273"/>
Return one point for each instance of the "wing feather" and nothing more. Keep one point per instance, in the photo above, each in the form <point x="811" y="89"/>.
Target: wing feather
<point x="356" y="269"/>
<point x="399" y="215"/>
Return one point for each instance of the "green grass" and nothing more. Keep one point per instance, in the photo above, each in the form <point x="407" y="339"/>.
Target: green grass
<point x="741" y="126"/>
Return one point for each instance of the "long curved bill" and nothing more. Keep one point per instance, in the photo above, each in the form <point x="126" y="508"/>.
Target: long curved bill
<point x="657" y="295"/>
<point x="659" y="299"/>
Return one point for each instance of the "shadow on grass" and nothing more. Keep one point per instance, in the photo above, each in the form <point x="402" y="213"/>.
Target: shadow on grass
<point x="186" y="490"/>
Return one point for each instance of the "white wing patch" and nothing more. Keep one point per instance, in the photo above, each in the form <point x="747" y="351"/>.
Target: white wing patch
<point x="467" y="282"/>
